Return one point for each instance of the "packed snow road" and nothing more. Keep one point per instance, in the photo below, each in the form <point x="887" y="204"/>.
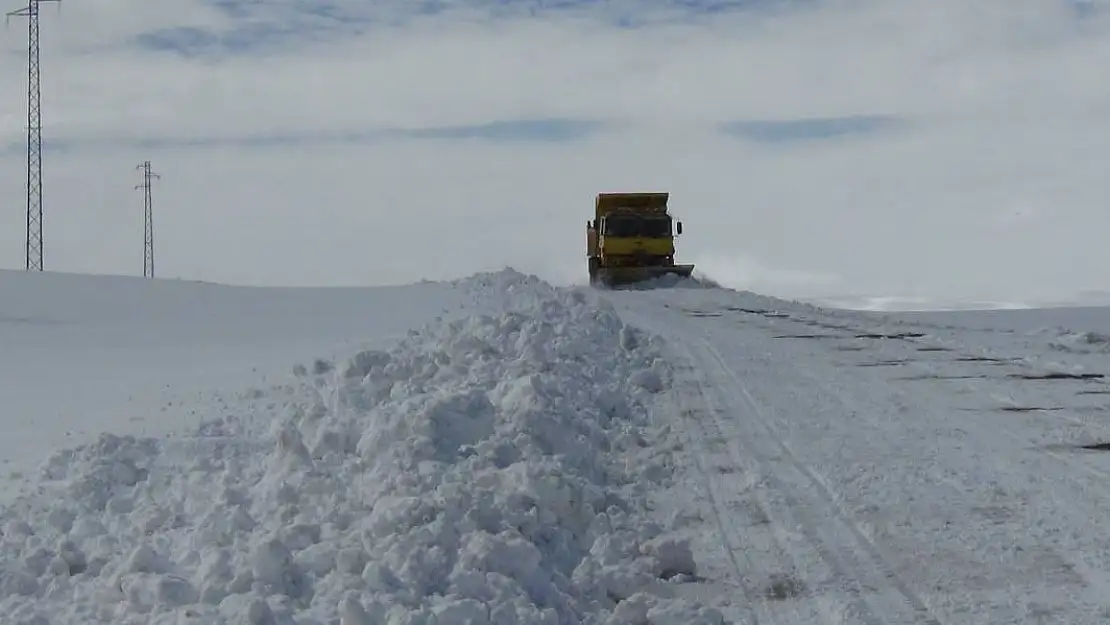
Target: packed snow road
<point x="851" y="470"/>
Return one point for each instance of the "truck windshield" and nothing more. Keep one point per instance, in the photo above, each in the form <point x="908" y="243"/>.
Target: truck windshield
<point x="634" y="226"/>
<point x="656" y="227"/>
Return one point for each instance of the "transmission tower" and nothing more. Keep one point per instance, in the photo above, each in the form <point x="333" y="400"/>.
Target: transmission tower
<point x="34" y="134"/>
<point x="148" y="220"/>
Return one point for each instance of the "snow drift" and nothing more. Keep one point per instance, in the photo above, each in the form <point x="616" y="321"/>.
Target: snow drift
<point x="491" y="469"/>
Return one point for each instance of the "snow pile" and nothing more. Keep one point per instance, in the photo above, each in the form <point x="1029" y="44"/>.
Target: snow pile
<point x="490" y="292"/>
<point x="488" y="470"/>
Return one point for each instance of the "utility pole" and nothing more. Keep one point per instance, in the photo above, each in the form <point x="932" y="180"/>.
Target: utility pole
<point x="34" y="135"/>
<point x="148" y="220"/>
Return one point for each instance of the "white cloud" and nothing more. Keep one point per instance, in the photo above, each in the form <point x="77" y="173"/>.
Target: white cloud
<point x="1003" y="103"/>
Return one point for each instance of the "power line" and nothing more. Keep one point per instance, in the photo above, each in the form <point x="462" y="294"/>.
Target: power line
<point x="148" y="219"/>
<point x="34" y="134"/>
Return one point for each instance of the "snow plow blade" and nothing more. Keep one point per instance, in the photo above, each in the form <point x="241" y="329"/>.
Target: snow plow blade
<point x="619" y="276"/>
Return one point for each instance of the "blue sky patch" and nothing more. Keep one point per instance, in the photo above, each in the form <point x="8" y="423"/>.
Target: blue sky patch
<point x="253" y="25"/>
<point x="810" y="129"/>
<point x="554" y="129"/>
<point x="551" y="130"/>
<point x="194" y="42"/>
<point x="259" y="26"/>
<point x="1085" y="8"/>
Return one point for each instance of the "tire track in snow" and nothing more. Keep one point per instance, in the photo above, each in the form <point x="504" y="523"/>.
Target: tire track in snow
<point x="1087" y="563"/>
<point x="881" y="595"/>
<point x="712" y="489"/>
<point x="822" y="553"/>
<point x="761" y="541"/>
<point x="1049" y="570"/>
<point x="1006" y="390"/>
<point x="1091" y="480"/>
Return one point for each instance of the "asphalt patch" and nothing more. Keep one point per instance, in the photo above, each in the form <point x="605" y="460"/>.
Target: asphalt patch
<point x="757" y="311"/>
<point x="1076" y="447"/>
<point x="1057" y="376"/>
<point x="976" y="376"/>
<point x="896" y="335"/>
<point x="1096" y="447"/>
<point x="884" y="363"/>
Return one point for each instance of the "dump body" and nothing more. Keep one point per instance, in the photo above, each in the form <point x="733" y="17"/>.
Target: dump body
<point x="631" y="239"/>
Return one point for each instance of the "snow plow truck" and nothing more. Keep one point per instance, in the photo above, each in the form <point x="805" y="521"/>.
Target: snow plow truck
<point x="631" y="239"/>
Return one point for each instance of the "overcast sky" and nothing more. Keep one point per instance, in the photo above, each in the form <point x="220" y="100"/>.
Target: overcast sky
<point x="942" y="148"/>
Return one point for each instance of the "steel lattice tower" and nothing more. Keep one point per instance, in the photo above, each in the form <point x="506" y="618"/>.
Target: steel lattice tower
<point x="34" y="135"/>
<point x="148" y="219"/>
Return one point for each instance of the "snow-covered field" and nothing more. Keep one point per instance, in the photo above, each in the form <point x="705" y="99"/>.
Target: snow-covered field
<point x="84" y="354"/>
<point x="497" y="450"/>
